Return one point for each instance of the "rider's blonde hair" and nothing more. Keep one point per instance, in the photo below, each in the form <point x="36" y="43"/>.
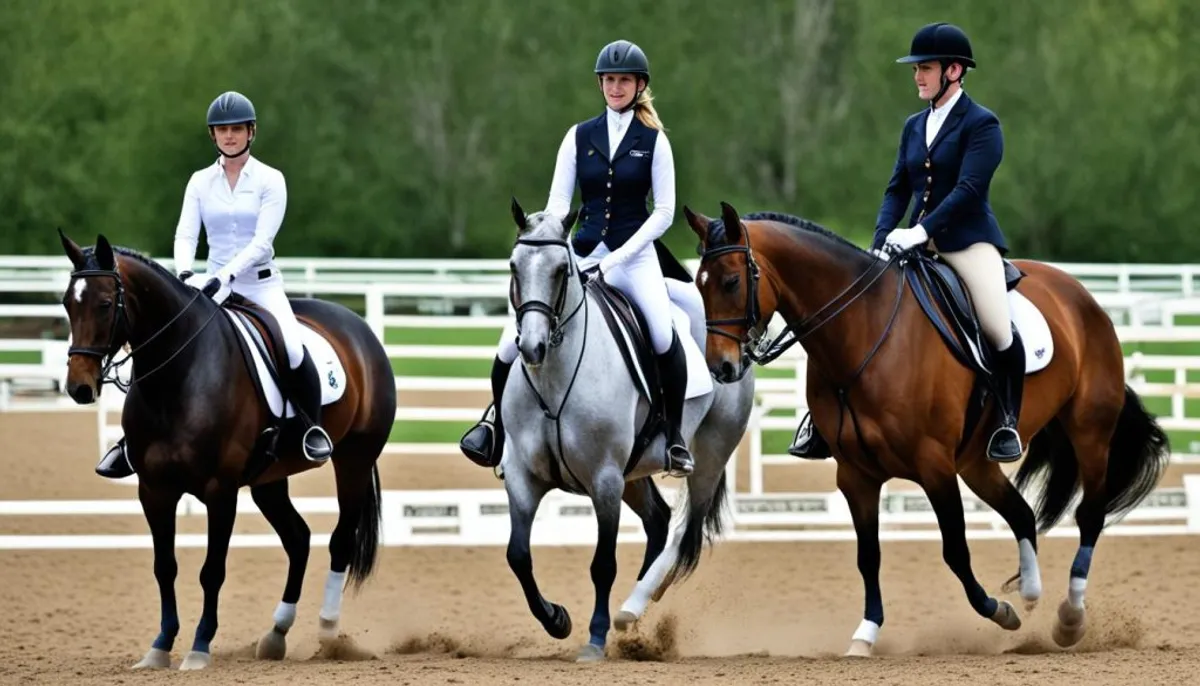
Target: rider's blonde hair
<point x="645" y="112"/>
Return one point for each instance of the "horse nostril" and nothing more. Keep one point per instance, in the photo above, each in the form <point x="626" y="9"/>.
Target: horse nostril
<point x="727" y="371"/>
<point x="540" y="351"/>
<point x="82" y="393"/>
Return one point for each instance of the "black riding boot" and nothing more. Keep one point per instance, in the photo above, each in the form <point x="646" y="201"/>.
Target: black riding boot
<point x="808" y="442"/>
<point x="306" y="394"/>
<point x="115" y="463"/>
<point x="672" y="373"/>
<point x="483" y="443"/>
<point x="1005" y="443"/>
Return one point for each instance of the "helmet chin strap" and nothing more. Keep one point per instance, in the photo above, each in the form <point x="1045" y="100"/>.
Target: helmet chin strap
<point x="632" y="103"/>
<point x="945" y="85"/>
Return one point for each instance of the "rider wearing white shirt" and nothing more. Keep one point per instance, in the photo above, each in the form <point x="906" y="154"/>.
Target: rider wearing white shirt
<point x="240" y="201"/>
<point x="618" y="158"/>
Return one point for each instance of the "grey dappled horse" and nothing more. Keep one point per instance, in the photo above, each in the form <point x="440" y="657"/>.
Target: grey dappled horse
<point x="571" y="418"/>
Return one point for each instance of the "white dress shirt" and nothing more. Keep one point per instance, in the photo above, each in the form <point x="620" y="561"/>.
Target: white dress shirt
<point x="239" y="224"/>
<point x="935" y="119"/>
<point x="662" y="184"/>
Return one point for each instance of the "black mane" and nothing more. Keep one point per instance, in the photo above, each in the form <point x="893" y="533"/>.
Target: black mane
<point x="90" y="254"/>
<point x="717" y="237"/>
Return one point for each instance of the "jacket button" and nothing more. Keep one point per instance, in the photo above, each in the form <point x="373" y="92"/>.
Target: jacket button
<point x="604" y="232"/>
<point x="927" y="163"/>
<point x="608" y="199"/>
<point x="606" y="215"/>
<point x="608" y="184"/>
<point x="610" y="171"/>
<point x="929" y="180"/>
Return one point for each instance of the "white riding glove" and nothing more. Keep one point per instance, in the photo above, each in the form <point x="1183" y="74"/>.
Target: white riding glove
<point x="903" y="239"/>
<point x="197" y="281"/>
<point x="212" y="285"/>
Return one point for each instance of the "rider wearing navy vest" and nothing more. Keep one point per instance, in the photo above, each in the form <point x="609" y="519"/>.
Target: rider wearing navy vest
<point x="947" y="156"/>
<point x="618" y="158"/>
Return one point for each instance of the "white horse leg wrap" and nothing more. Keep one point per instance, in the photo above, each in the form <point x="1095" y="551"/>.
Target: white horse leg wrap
<point x="285" y="616"/>
<point x="332" y="608"/>
<point x="867" y="631"/>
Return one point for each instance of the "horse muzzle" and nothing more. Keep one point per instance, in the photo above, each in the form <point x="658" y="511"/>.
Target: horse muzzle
<point x="727" y="371"/>
<point x="532" y="354"/>
<point x="82" y="393"/>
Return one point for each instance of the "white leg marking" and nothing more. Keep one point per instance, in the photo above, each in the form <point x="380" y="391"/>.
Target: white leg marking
<point x="639" y="600"/>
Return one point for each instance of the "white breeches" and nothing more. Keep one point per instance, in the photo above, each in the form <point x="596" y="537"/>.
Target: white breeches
<point x="270" y="295"/>
<point x="641" y="280"/>
<point x="982" y="271"/>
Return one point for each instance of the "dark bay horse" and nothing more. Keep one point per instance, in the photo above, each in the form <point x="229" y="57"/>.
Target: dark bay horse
<point x="886" y="393"/>
<point x="193" y="421"/>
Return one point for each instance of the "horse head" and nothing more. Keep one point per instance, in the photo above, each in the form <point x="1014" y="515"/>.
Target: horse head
<point x="738" y="302"/>
<point x="95" y="304"/>
<point x="117" y="297"/>
<point x="545" y="281"/>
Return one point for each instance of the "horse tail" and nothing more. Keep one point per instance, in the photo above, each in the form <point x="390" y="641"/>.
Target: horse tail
<point x="1138" y="454"/>
<point x="366" y="534"/>
<point x="704" y="523"/>
<point x="1050" y="460"/>
<point x="1137" y="457"/>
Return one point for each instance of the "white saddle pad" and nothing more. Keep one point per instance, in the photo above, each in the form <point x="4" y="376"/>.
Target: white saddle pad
<point x="1035" y="333"/>
<point x="699" y="378"/>
<point x="329" y="368"/>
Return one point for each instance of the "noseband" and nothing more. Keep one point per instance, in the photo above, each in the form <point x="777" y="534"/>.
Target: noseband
<point x="555" y="313"/>
<point x="104" y="355"/>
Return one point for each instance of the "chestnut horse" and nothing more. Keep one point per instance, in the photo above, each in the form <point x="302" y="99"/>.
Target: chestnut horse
<point x="194" y="423"/>
<point x="888" y="395"/>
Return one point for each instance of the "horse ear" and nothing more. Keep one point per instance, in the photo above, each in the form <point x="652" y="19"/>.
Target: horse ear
<point x="104" y="254"/>
<point x="568" y="222"/>
<point x="733" y="223"/>
<point x="518" y="215"/>
<point x="698" y="222"/>
<point x="73" y="251"/>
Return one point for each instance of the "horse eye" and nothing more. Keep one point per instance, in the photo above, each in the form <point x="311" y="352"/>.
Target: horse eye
<point x="105" y="304"/>
<point x="730" y="283"/>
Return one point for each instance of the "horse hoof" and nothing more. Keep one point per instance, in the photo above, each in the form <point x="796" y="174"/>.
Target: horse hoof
<point x="327" y="629"/>
<point x="155" y="659"/>
<point x="559" y="625"/>
<point x="859" y="648"/>
<point x="1006" y="616"/>
<point x="1069" y="628"/>
<point x="272" y="646"/>
<point x="624" y="620"/>
<point x="195" y="660"/>
<point x="590" y="653"/>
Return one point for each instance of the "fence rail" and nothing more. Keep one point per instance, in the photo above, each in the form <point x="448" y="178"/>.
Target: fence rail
<point x="480" y="518"/>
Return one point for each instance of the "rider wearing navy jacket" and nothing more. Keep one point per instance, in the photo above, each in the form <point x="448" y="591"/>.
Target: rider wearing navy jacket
<point x="618" y="158"/>
<point x="947" y="156"/>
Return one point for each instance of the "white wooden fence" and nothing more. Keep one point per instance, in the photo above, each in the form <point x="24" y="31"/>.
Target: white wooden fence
<point x="480" y="518"/>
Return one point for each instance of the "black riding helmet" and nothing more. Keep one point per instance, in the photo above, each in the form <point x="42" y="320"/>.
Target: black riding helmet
<point x="944" y="43"/>
<point x="623" y="57"/>
<point x="232" y="107"/>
